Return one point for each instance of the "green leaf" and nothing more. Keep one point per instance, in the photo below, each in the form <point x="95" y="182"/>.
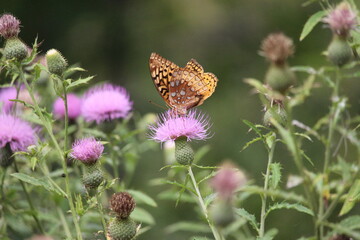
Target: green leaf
<point x="294" y="206"/>
<point x="36" y="182"/>
<point x="248" y="217"/>
<point x="78" y="82"/>
<point x="269" y="235"/>
<point x="311" y="23"/>
<point x="188" y="227"/>
<point x="352" y="222"/>
<point x="275" y="175"/>
<point x="141" y="197"/>
<point x="142" y="216"/>
<point x="250" y="143"/>
<point x="352" y="198"/>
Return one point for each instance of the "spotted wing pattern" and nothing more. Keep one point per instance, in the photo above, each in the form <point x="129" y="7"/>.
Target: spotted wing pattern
<point x="183" y="88"/>
<point x="161" y="71"/>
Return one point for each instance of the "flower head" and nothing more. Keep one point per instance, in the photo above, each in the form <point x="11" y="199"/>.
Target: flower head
<point x="106" y="102"/>
<point x="122" y="203"/>
<point x="277" y="47"/>
<point x="16" y="132"/>
<point x="74" y="106"/>
<point x="341" y="19"/>
<point x="87" y="150"/>
<point x="9" y="26"/>
<point x="227" y="180"/>
<point x="193" y="126"/>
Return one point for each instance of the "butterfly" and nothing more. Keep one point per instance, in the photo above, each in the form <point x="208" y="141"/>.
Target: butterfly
<point x="181" y="88"/>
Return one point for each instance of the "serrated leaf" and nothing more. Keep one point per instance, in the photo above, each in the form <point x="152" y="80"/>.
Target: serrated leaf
<point x="311" y="23"/>
<point x="250" y="143"/>
<point x="141" y="197"/>
<point x="294" y="206"/>
<point x="248" y="217"/>
<point x="188" y="227"/>
<point x="78" y="82"/>
<point x="352" y="198"/>
<point x="36" y="182"/>
<point x="275" y="175"/>
<point x="142" y="216"/>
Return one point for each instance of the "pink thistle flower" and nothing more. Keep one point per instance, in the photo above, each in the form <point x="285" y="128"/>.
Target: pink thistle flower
<point x="227" y="180"/>
<point x="74" y="106"/>
<point x="106" y="102"/>
<point x="193" y="126"/>
<point x="16" y="132"/>
<point x="9" y="26"/>
<point x="8" y="94"/>
<point x="87" y="150"/>
<point x="341" y="19"/>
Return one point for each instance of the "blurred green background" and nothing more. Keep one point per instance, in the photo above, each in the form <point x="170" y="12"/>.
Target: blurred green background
<point x="113" y="40"/>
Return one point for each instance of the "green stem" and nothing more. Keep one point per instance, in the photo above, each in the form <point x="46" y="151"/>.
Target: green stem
<point x="48" y="128"/>
<point x="333" y="118"/>
<point x="64" y="223"/>
<point x="264" y="196"/>
<point x="215" y="232"/>
<point x="100" y="209"/>
<point x="31" y="205"/>
<point x="66" y="118"/>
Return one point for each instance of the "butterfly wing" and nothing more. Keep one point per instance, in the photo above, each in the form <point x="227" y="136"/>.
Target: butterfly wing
<point x="210" y="82"/>
<point x="184" y="88"/>
<point x="161" y="71"/>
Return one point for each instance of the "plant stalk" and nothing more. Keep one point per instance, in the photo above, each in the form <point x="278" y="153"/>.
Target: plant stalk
<point x="215" y="232"/>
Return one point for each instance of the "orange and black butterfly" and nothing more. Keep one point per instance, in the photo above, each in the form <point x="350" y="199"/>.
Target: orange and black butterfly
<point x="181" y="88"/>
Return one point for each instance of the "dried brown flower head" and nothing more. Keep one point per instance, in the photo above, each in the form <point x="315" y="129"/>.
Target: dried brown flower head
<point x="122" y="204"/>
<point x="277" y="47"/>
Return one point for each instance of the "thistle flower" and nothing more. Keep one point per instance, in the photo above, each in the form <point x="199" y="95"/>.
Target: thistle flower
<point x="122" y="204"/>
<point x="9" y="26"/>
<point x="87" y="150"/>
<point x="16" y="132"/>
<point x="105" y="103"/>
<point x="277" y="47"/>
<point x="227" y="180"/>
<point x="171" y="126"/>
<point x="74" y="106"/>
<point x="341" y="19"/>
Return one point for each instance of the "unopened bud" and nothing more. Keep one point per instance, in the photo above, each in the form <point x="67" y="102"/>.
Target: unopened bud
<point x="93" y="176"/>
<point x="122" y="229"/>
<point x="56" y="63"/>
<point x="184" y="154"/>
<point x="15" y="48"/>
<point x="275" y="113"/>
<point x="339" y="51"/>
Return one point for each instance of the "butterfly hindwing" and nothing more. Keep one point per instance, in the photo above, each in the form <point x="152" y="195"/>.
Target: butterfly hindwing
<point x="161" y="70"/>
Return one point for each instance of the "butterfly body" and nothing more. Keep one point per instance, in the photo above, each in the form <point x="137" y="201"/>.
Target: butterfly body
<point x="181" y="88"/>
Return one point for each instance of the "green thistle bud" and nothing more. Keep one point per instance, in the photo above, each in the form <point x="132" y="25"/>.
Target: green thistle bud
<point x="276" y="113"/>
<point x="122" y="229"/>
<point x="184" y="154"/>
<point x="56" y="63"/>
<point x="222" y="213"/>
<point x="280" y="77"/>
<point x="15" y="48"/>
<point x="339" y="51"/>
<point x="93" y="176"/>
<point x="6" y="158"/>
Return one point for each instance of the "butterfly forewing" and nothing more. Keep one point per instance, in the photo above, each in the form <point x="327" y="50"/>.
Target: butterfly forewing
<point x="161" y="71"/>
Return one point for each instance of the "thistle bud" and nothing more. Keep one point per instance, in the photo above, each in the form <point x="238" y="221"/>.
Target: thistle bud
<point x="339" y="51"/>
<point x="280" y="77"/>
<point x="122" y="229"/>
<point x="222" y="213"/>
<point x="56" y="63"/>
<point x="184" y="154"/>
<point x="122" y="204"/>
<point x="275" y="113"/>
<point x="15" y="48"/>
<point x="93" y="176"/>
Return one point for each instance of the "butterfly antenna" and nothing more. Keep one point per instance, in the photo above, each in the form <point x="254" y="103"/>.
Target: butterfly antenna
<point x="158" y="105"/>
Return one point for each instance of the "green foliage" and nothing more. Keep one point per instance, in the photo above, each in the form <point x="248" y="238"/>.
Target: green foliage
<point x="311" y="23"/>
